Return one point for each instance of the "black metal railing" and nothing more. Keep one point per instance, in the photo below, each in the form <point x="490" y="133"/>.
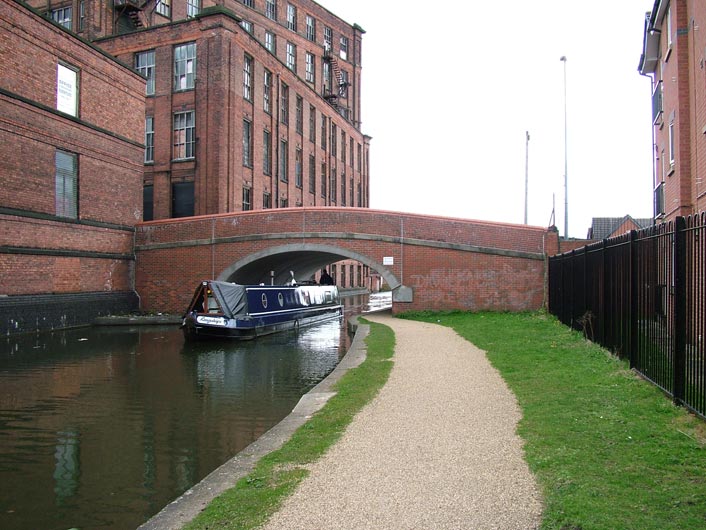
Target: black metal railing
<point x="643" y="296"/>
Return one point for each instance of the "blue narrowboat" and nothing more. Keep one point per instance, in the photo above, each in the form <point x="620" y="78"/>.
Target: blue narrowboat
<point x="229" y="310"/>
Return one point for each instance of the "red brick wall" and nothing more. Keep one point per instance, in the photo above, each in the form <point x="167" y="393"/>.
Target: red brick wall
<point x="39" y="251"/>
<point x="435" y="259"/>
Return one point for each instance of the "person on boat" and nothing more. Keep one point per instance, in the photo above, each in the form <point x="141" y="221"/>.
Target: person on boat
<point x="325" y="278"/>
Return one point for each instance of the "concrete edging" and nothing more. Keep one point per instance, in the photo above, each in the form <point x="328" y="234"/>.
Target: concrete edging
<point x="182" y="510"/>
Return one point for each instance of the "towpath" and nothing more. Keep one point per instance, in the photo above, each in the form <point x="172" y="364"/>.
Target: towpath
<point x="436" y="449"/>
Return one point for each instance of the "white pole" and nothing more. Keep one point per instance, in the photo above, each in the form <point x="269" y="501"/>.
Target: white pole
<point x="526" y="170"/>
<point x="566" y="163"/>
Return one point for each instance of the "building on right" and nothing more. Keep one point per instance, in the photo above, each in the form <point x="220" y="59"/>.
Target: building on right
<point x="674" y="57"/>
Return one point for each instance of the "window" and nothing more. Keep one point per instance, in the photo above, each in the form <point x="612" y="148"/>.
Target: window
<point x="267" y="92"/>
<point x="247" y="77"/>
<point x="344" y="48"/>
<point x="270" y="42"/>
<point x="343" y="146"/>
<point x="247" y="26"/>
<point x="163" y="8"/>
<point x="182" y="199"/>
<point x="668" y="20"/>
<point x="66" y="166"/>
<point x="67" y="89"/>
<point x="334" y="142"/>
<point x="144" y="63"/>
<point x="350" y="150"/>
<point x="326" y="74"/>
<point x="266" y="200"/>
<point x="343" y="188"/>
<point x="283" y="202"/>
<point x="312" y="174"/>
<point x="284" y="105"/>
<point x="312" y="123"/>
<point x="184" y="66"/>
<point x="247" y="143"/>
<point x="332" y="187"/>
<point x="193" y="8"/>
<point x="247" y="200"/>
<point x="248" y="3"/>
<point x="328" y="39"/>
<point x="291" y="17"/>
<point x="184" y="137"/>
<point x="323" y="132"/>
<point x="148" y="203"/>
<point x="323" y="179"/>
<point x="291" y="57"/>
<point x="343" y="85"/>
<point x="310" y="68"/>
<point x="62" y="16"/>
<point x="149" y="139"/>
<point x="298" y="168"/>
<point x="283" y="161"/>
<point x="266" y="153"/>
<point x="310" y="28"/>
<point x="352" y="192"/>
<point x="299" y="114"/>
<point x="271" y="9"/>
<point x="671" y="143"/>
<point x="81" y="15"/>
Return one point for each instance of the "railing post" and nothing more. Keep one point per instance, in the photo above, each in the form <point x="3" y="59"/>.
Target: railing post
<point x="680" y="316"/>
<point x="634" y="310"/>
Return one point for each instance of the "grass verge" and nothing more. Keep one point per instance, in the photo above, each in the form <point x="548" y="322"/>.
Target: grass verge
<point x="609" y="450"/>
<point x="257" y="496"/>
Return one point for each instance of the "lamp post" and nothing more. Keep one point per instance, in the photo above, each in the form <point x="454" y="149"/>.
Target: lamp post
<point x="566" y="164"/>
<point x="526" y="170"/>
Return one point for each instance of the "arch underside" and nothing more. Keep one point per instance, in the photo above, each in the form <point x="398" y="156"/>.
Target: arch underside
<point x="305" y="259"/>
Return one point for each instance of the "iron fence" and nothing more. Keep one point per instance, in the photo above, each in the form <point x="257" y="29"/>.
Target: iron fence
<point x="643" y="296"/>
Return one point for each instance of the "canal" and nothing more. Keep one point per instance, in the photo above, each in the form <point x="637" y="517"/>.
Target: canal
<point x="101" y="427"/>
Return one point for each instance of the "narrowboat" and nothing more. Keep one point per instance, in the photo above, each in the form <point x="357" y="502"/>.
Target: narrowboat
<point x="229" y="310"/>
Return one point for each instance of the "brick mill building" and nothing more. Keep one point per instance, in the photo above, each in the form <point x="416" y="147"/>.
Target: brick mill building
<point x="249" y="104"/>
<point x="240" y="106"/>
<point x="72" y="131"/>
<point x="674" y="56"/>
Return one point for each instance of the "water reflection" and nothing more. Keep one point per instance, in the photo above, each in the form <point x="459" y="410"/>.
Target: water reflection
<point x="102" y="427"/>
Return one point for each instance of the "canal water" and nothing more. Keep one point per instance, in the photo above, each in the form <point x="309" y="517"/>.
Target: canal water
<point x="102" y="427"/>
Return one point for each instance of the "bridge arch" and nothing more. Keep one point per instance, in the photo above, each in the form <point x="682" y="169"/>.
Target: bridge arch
<point x="305" y="259"/>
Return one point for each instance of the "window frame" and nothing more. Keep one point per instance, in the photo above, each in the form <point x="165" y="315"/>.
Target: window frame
<point x="149" y="140"/>
<point x="59" y="15"/>
<point x="147" y="69"/>
<point x="193" y="8"/>
<point x="310" y="28"/>
<point x="291" y="58"/>
<point x="292" y="17"/>
<point x="188" y="75"/>
<point x="310" y="74"/>
<point x="189" y="136"/>
<point x="66" y="205"/>
<point x="247" y="143"/>
<point x="248" y="63"/>
<point x="283" y="160"/>
<point x="271" y="9"/>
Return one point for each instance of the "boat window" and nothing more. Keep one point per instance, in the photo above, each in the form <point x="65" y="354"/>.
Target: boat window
<point x="213" y="304"/>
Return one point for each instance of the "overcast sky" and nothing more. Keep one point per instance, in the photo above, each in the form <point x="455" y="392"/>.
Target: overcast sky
<point x="450" y="89"/>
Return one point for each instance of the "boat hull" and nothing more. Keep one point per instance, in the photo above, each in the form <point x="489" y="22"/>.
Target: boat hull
<point x="261" y="317"/>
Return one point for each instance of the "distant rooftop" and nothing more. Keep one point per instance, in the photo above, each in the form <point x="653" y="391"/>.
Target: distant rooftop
<point x="605" y="227"/>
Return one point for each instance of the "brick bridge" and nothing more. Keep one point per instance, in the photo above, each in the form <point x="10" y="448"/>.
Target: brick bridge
<point x="437" y="263"/>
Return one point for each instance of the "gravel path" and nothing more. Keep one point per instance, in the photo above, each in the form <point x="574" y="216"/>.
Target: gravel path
<point x="436" y="448"/>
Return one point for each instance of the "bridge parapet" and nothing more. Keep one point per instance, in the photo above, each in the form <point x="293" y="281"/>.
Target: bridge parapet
<point x="438" y="263"/>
